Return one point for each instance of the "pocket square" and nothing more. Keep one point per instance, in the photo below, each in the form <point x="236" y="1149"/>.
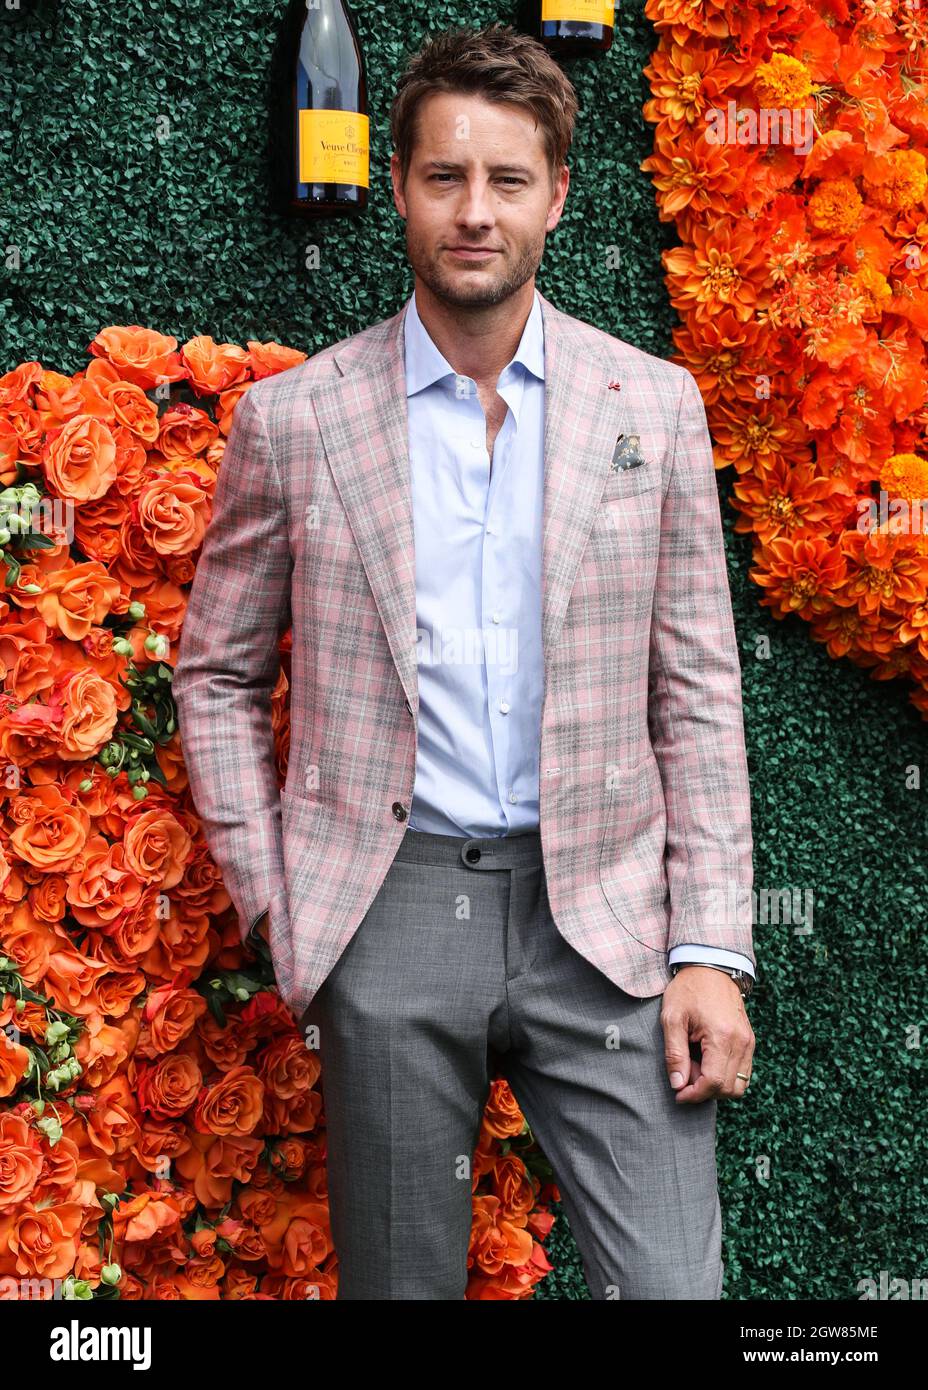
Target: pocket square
<point x="625" y="454"/>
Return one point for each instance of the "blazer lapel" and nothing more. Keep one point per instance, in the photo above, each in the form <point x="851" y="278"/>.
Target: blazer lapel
<point x="583" y="417"/>
<point x="363" y="420"/>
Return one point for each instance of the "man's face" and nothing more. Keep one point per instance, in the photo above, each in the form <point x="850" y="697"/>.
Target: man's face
<point x="478" y="178"/>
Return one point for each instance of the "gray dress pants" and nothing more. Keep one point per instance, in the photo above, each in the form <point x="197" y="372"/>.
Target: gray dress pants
<point x="458" y="967"/>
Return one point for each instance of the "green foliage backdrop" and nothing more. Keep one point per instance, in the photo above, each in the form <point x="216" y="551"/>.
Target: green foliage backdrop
<point x="133" y="179"/>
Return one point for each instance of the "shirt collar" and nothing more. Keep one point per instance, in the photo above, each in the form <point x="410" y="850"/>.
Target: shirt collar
<point x="426" y="365"/>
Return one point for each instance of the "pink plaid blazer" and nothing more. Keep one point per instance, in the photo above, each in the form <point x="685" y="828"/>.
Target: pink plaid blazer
<point x="644" y="796"/>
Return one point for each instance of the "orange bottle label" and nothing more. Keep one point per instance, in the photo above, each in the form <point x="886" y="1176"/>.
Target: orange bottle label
<point x="334" y="147"/>
<point x="578" y="11"/>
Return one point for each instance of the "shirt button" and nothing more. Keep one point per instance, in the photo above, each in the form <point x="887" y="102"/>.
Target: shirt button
<point x="491" y="530"/>
<point x="513" y="797"/>
<point x="399" y="810"/>
<point x="496" y="617"/>
<point x="504" y="706"/>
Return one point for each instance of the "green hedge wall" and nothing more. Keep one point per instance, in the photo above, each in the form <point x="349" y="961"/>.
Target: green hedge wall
<point x="133" y="177"/>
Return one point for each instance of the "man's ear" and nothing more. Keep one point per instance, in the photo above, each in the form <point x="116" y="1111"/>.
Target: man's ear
<point x="399" y="197"/>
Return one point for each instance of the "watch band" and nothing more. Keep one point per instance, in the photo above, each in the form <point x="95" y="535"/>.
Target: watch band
<point x="741" y="978"/>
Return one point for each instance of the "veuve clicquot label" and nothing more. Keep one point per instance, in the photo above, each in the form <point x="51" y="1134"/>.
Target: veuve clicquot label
<point x="334" y="147"/>
<point x="578" y="12"/>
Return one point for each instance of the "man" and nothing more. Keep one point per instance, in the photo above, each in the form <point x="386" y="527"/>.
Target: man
<point x="516" y="798"/>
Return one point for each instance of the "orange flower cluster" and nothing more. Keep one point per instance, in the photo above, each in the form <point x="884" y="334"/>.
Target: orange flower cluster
<point x="161" y="1124"/>
<point x="791" y="150"/>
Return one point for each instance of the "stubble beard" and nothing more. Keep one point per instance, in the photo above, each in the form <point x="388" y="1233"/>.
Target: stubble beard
<point x="486" y="289"/>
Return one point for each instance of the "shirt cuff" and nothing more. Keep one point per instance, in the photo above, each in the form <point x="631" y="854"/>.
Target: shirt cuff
<point x="710" y="955"/>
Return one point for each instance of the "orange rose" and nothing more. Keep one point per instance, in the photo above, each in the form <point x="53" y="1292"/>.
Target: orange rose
<point x="170" y="1086"/>
<point x="77" y="597"/>
<point x="173" y="515"/>
<point x="20" y="1160"/>
<point x="233" y="1105"/>
<point x="212" y="1163"/>
<point x="14" y="1059"/>
<point x="144" y="1217"/>
<point x="166" y="603"/>
<point x="16" y="385"/>
<point x="515" y="1187"/>
<point x="111" y="1126"/>
<point x="159" y="1144"/>
<point x="47" y="899"/>
<point x="89" y="715"/>
<point x="134" y="410"/>
<point x="496" y="1241"/>
<point x="213" y="366"/>
<point x="267" y="359"/>
<point x="307" y="1241"/>
<point x="51" y="831"/>
<point x="71" y="981"/>
<point x="26" y="657"/>
<point x="185" y="431"/>
<point x="139" y="355"/>
<point x="29" y="734"/>
<point x="289" y="1068"/>
<point x="29" y="943"/>
<point x="81" y="460"/>
<point x="170" y="1015"/>
<point x="103" y="1048"/>
<point x="102" y="886"/>
<point x="503" y="1118"/>
<point x="116" y="994"/>
<point x="45" y="1242"/>
<point x="96" y="526"/>
<point x="157" y="847"/>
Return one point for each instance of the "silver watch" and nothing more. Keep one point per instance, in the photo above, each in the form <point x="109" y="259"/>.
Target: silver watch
<point x="742" y="979"/>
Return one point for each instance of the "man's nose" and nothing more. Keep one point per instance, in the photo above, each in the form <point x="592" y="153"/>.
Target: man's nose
<point x="475" y="206"/>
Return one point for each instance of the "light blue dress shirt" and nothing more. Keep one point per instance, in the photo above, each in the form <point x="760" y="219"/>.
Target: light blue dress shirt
<point x="478" y="528"/>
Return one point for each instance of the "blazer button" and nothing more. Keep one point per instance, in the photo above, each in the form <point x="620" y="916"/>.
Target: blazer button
<point x="399" y="810"/>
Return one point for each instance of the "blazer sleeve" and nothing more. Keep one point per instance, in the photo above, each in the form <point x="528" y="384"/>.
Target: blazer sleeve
<point x="228" y="664"/>
<point x="694" y="709"/>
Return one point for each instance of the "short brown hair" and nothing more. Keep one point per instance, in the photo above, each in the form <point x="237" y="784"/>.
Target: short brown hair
<point x="497" y="63"/>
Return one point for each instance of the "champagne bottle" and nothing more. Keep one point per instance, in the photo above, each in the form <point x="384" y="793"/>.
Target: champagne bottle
<point x="319" y="121"/>
<point x="573" y="28"/>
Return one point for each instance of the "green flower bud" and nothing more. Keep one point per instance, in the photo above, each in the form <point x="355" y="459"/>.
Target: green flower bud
<point x="111" y="1274"/>
<point x="76" y="1288"/>
<point x="51" y="1128"/>
<point x="136" y="610"/>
